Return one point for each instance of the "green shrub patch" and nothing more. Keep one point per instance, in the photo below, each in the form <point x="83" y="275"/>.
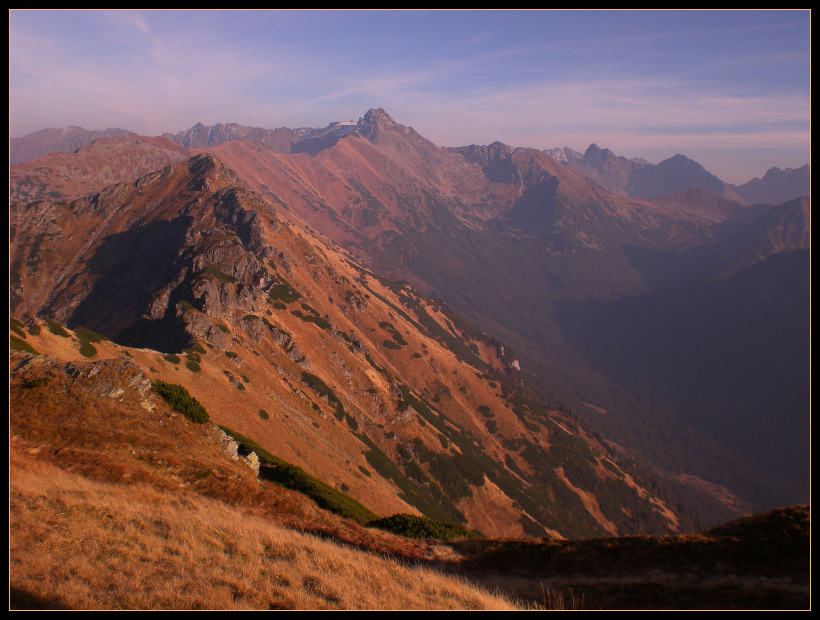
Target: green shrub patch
<point x="86" y="335"/>
<point x="18" y="344"/>
<point x="412" y="526"/>
<point x="292" y="477"/>
<point x="57" y="329"/>
<point x="181" y="400"/>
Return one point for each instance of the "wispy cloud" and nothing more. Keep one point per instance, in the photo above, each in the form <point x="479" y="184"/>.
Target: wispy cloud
<point x="541" y="79"/>
<point x="612" y="107"/>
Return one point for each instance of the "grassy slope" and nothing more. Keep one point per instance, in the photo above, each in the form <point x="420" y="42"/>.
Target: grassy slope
<point x="118" y="502"/>
<point x="115" y="506"/>
<point x="82" y="544"/>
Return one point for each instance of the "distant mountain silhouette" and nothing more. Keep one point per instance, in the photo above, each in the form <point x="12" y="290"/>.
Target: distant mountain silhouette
<point x="777" y="186"/>
<point x="64" y="140"/>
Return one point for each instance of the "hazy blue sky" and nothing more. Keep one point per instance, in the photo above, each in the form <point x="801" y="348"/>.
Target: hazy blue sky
<point x="731" y="89"/>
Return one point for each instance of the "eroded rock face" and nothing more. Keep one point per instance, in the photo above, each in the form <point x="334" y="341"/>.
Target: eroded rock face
<point x="254" y="328"/>
<point x="229" y="446"/>
<point x="202" y="327"/>
<point x="156" y="262"/>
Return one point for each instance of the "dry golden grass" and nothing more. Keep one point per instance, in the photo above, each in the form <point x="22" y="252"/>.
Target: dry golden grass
<point x="84" y="544"/>
<point x="113" y="506"/>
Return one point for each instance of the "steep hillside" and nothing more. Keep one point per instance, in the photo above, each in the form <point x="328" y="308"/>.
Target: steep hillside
<point x="116" y="501"/>
<point x="733" y="313"/>
<point x="285" y="339"/>
<point x="539" y="256"/>
<point x="758" y="562"/>
<point x="457" y="223"/>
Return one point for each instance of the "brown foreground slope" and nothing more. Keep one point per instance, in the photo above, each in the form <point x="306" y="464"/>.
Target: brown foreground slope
<point x="118" y="502"/>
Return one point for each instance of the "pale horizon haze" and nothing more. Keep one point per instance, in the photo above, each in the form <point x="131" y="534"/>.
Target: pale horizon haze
<point x="729" y="89"/>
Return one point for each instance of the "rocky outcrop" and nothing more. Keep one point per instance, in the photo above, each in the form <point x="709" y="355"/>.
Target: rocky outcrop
<point x="116" y="379"/>
<point x="231" y="448"/>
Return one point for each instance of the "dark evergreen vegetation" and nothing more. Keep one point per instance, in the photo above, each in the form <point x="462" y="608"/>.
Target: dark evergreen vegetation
<point x="181" y="400"/>
<point x="413" y="526"/>
<point x="292" y="477"/>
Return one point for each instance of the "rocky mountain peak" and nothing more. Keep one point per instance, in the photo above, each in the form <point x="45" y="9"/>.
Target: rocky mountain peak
<point x="565" y="155"/>
<point x="675" y="174"/>
<point x="315" y="140"/>
<point x="374" y="122"/>
<point x="777" y="186"/>
<point x="206" y="166"/>
<point x="595" y="155"/>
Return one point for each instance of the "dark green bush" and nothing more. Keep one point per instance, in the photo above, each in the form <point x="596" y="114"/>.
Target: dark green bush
<point x="195" y="348"/>
<point x="87" y="349"/>
<point x="56" y="329"/>
<point x="86" y="335"/>
<point x="322" y="389"/>
<point x="35" y="383"/>
<point x="292" y="477"/>
<point x="212" y="271"/>
<point x="18" y="344"/>
<point x="310" y="318"/>
<point x="181" y="400"/>
<point x="427" y="498"/>
<point x="17" y="327"/>
<point x="412" y="526"/>
<point x="283" y="292"/>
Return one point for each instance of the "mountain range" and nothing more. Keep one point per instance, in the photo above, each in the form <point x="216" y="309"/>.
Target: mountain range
<point x="530" y="343"/>
<point x="47" y="141"/>
<point x="638" y="178"/>
<point x="596" y="164"/>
